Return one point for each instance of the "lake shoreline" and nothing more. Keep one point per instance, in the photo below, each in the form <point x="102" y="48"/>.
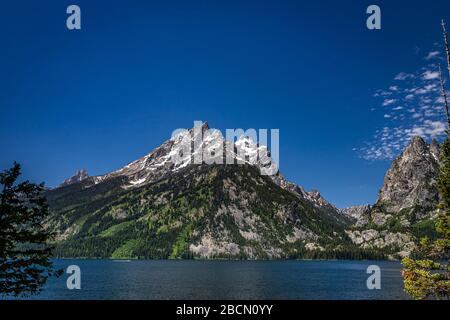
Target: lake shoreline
<point x="213" y="259"/>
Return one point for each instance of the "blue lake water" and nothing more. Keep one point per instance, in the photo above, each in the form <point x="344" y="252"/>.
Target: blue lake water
<point x="188" y="279"/>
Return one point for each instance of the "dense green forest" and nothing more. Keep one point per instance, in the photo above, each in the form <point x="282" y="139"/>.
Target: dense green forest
<point x="162" y="219"/>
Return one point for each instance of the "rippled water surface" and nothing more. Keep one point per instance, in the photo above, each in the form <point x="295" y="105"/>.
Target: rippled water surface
<point x="146" y="279"/>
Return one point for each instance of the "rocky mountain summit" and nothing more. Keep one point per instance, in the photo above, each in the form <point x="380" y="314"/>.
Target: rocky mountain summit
<point x="411" y="180"/>
<point x="406" y="202"/>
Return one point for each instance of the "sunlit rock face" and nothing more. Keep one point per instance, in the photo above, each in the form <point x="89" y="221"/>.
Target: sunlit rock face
<point x="411" y="180"/>
<point x="359" y="213"/>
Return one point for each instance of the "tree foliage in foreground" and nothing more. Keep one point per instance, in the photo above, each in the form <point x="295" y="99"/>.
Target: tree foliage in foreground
<point x="25" y="262"/>
<point x="429" y="277"/>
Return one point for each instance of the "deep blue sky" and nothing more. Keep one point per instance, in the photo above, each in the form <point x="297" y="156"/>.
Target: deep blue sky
<point x="103" y="96"/>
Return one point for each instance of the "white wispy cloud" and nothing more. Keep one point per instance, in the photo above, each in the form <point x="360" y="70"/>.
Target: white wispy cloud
<point x="403" y="76"/>
<point x="426" y="89"/>
<point x="388" y="102"/>
<point x="430" y="75"/>
<point x="382" y="93"/>
<point x="432" y="55"/>
<point x="440" y="99"/>
<point x="429" y="128"/>
<point x="412" y="107"/>
<point x="393" y="88"/>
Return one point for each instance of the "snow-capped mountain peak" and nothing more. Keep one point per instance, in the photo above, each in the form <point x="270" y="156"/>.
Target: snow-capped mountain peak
<point x="203" y="145"/>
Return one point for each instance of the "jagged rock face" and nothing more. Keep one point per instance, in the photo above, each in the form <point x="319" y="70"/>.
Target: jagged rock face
<point x="435" y="149"/>
<point x="192" y="147"/>
<point x="359" y="213"/>
<point x="313" y="196"/>
<point x="370" y="239"/>
<point x="79" y="176"/>
<point x="172" y="156"/>
<point x="411" y="180"/>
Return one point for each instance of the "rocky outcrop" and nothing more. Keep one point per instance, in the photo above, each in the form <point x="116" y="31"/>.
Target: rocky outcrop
<point x="359" y="213"/>
<point x="411" y="180"/>
<point x="400" y="243"/>
<point x="79" y="176"/>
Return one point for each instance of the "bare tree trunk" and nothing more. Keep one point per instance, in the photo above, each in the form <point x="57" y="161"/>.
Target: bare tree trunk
<point x="443" y="91"/>
<point x="447" y="50"/>
<point x="444" y="96"/>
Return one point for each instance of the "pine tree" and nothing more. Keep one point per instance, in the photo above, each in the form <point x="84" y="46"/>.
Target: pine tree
<point x="430" y="277"/>
<point x="25" y="262"/>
